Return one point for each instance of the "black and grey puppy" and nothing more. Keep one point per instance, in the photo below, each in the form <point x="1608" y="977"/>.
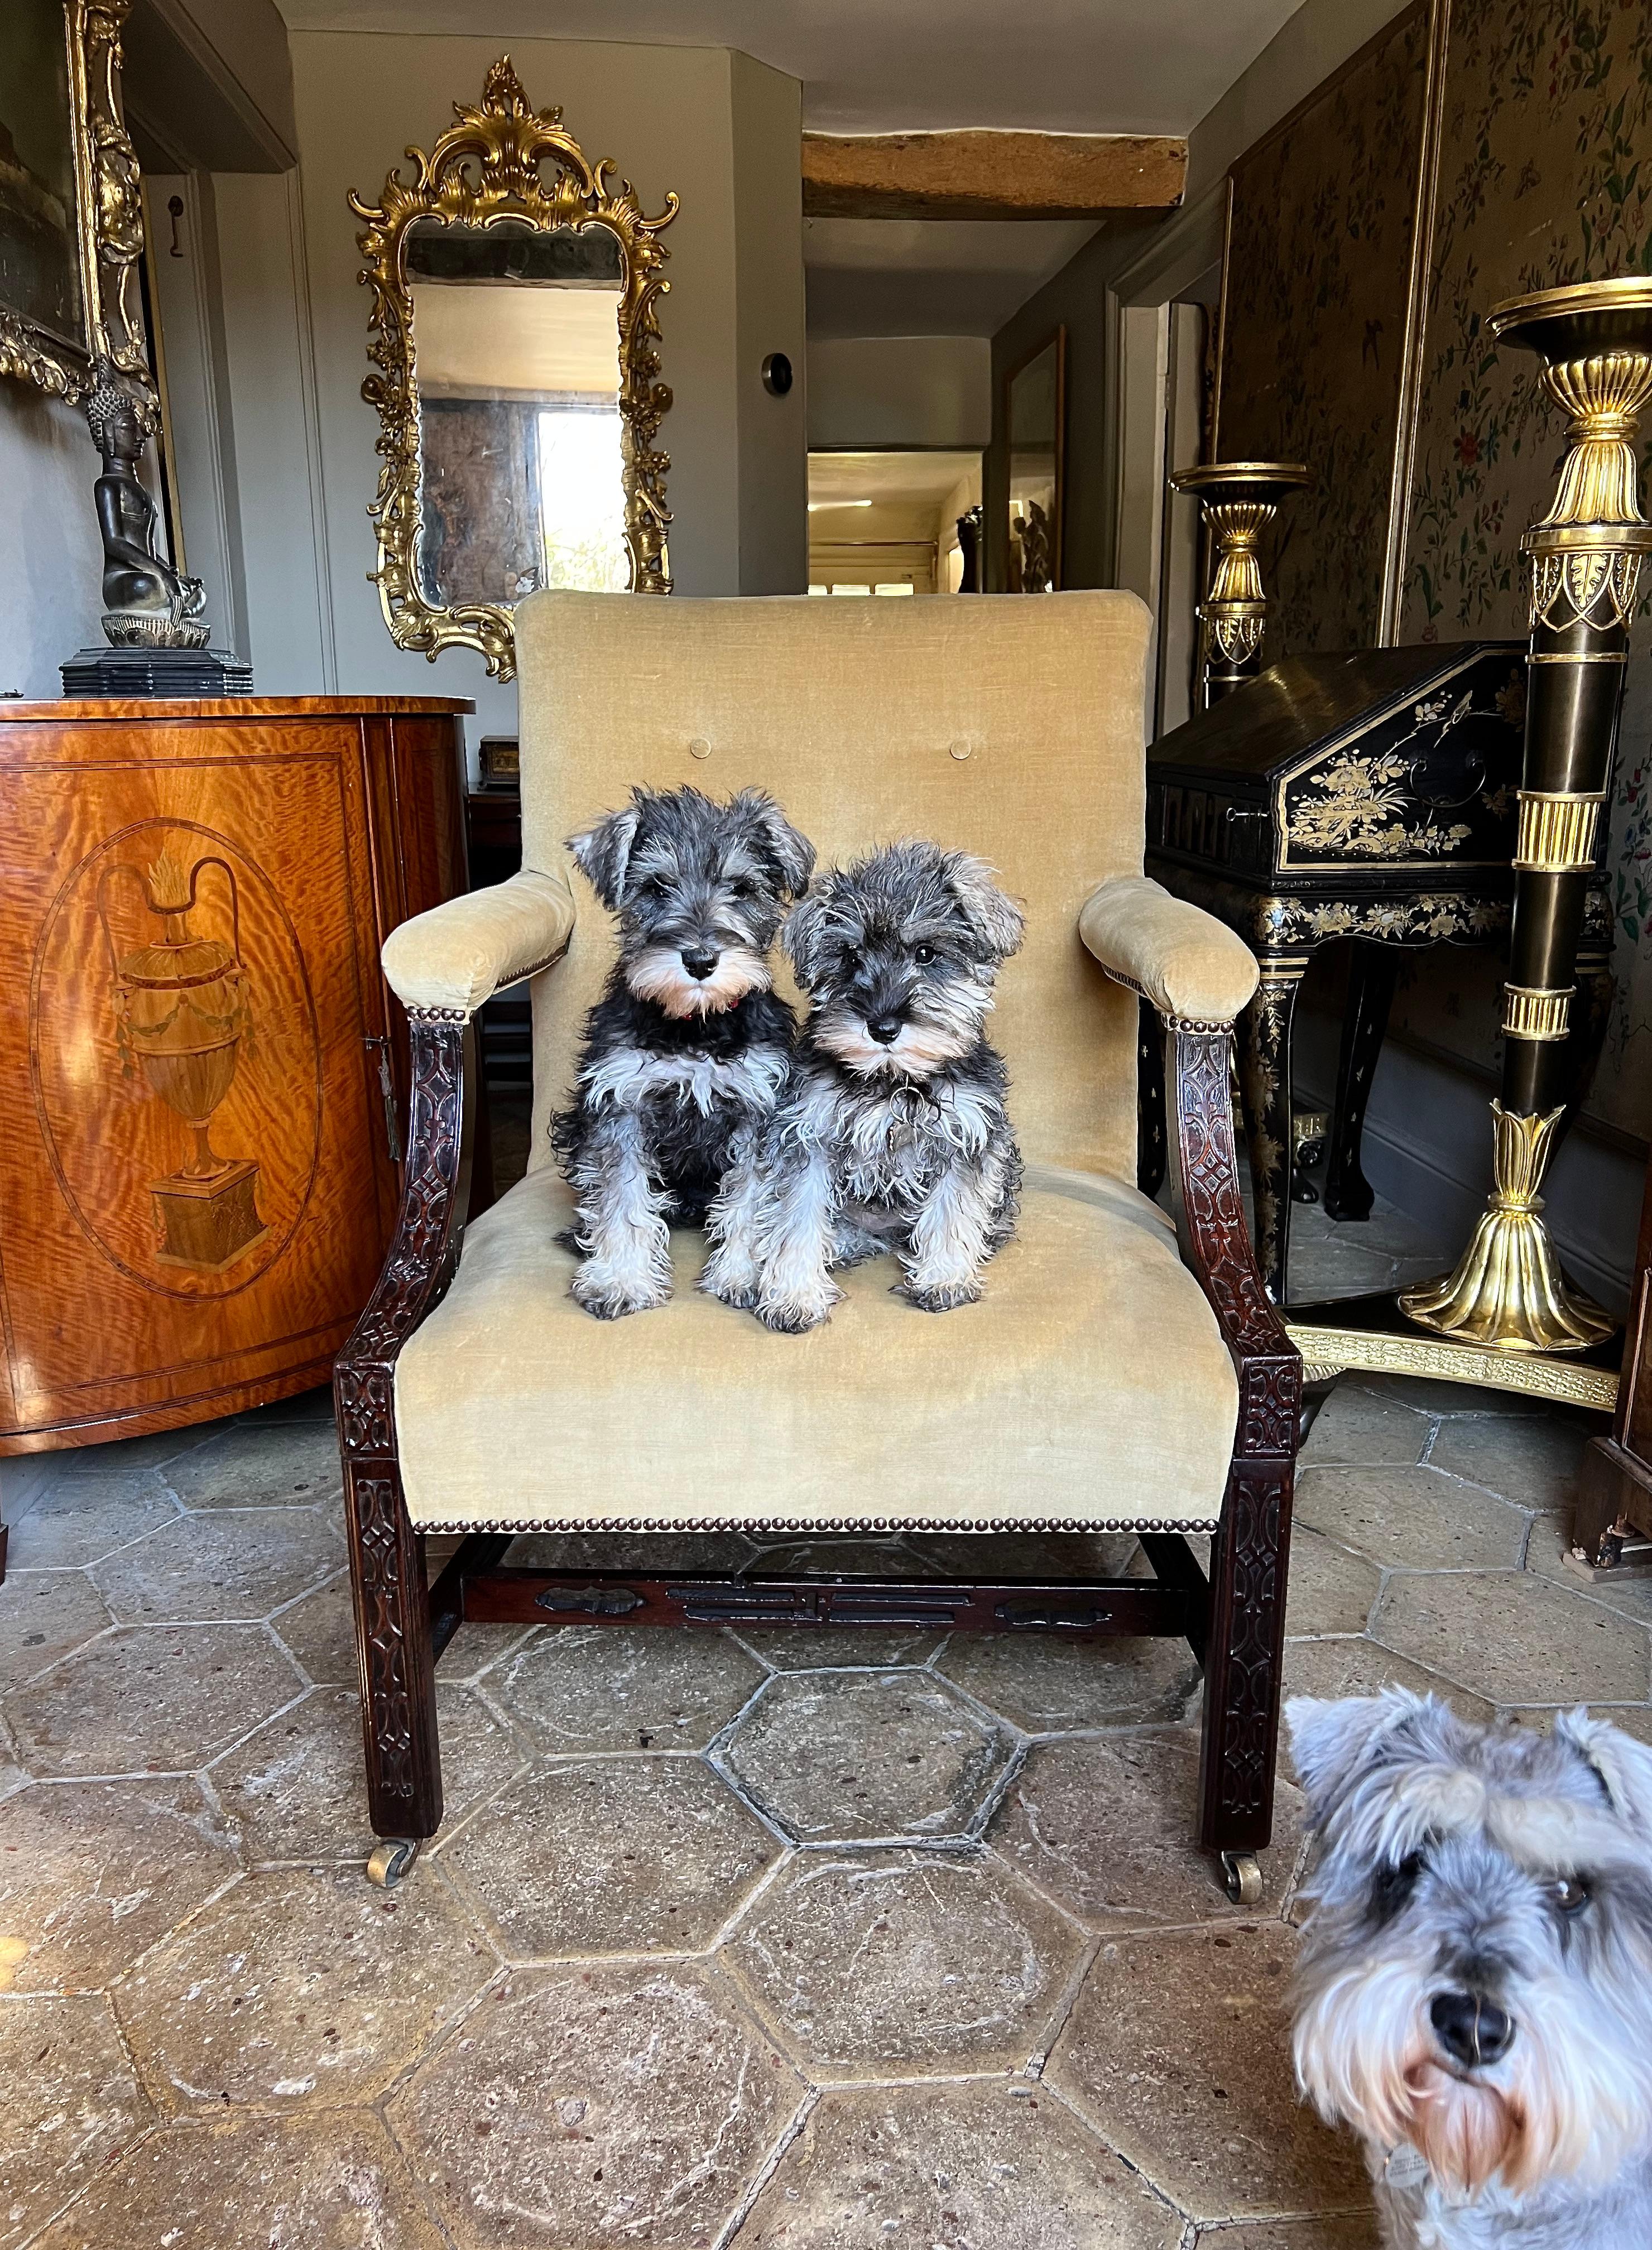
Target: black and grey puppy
<point x="689" y="1047"/>
<point x="892" y="1133"/>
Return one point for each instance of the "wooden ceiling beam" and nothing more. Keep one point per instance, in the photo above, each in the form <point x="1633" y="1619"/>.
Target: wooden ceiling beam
<point x="990" y="175"/>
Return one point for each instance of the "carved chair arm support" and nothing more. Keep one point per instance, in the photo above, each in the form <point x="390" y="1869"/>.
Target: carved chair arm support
<point x="1184" y="961"/>
<point x="423" y="1252"/>
<point x="1209" y="1220"/>
<point x="455" y="957"/>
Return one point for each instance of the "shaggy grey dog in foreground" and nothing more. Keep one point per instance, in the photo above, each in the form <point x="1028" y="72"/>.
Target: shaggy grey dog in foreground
<point x="1474" y="1997"/>
<point x="892" y="1133"/>
<point x="689" y="1046"/>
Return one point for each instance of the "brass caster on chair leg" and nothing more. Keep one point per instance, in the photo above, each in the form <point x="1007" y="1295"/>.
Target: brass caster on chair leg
<point x="392" y="1860"/>
<point x="1243" y="1878"/>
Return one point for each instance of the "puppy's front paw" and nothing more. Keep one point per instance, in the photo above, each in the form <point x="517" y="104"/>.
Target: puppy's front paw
<point x="730" y="1280"/>
<point x="945" y="1297"/>
<point x="609" y="1296"/>
<point x="790" y="1319"/>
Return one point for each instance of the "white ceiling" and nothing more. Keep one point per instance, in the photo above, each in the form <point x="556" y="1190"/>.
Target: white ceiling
<point x="886" y="65"/>
<point x="886" y="479"/>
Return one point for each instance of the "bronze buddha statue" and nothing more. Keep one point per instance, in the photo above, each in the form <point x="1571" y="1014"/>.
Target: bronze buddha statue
<point x="146" y="603"/>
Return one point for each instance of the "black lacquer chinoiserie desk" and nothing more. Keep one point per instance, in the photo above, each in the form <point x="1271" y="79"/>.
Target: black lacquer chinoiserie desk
<point x="1368" y="796"/>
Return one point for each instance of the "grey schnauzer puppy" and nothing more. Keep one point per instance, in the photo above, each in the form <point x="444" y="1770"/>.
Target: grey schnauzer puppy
<point x="1475" y="1996"/>
<point x="892" y="1133"/>
<point x="689" y="1045"/>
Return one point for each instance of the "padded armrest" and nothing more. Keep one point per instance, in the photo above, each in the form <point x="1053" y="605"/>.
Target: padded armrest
<point x="460" y="953"/>
<point x="1188" y="964"/>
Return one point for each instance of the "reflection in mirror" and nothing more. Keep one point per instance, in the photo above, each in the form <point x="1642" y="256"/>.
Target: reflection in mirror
<point x="517" y="337"/>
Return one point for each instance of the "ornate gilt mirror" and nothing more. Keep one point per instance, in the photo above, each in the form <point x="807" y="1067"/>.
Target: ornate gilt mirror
<point x="518" y="389"/>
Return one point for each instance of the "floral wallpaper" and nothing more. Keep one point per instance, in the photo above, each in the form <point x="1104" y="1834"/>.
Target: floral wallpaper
<point x="1320" y="255"/>
<point x="1546" y="115"/>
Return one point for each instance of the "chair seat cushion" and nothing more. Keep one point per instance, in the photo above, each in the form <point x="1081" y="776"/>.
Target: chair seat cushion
<point x="1088" y="1389"/>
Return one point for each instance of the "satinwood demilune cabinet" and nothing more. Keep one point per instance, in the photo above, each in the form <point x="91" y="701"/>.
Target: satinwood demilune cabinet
<point x="202" y="1072"/>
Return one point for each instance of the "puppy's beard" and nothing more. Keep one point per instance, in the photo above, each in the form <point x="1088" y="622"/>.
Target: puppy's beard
<point x="918" y="1051"/>
<point x="1468" y="2131"/>
<point x="657" y="974"/>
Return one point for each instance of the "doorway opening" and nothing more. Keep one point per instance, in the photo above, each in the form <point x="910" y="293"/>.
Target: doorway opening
<point x="892" y="522"/>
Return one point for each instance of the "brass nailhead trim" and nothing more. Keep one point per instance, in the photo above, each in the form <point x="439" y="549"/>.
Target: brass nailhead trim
<point x="1557" y="832"/>
<point x="1530" y="1014"/>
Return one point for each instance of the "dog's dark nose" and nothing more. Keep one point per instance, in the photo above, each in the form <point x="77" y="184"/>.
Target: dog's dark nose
<point x="1471" y="2030"/>
<point x="885" y="1030"/>
<point x="699" y="960"/>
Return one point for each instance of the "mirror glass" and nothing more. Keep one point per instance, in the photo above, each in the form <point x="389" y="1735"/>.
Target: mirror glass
<point x="1033" y="416"/>
<point x="516" y="342"/>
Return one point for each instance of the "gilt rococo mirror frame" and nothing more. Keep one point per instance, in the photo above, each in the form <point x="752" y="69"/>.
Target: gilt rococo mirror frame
<point x="491" y="166"/>
<point x="108" y="221"/>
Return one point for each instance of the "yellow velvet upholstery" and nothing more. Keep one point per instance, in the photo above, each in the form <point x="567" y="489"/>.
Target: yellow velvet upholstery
<point x="1009" y="727"/>
<point x="1188" y="964"/>
<point x="1088" y="1387"/>
<point x="459" y="953"/>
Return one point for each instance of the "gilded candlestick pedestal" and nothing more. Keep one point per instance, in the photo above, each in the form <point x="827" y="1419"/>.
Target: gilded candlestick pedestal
<point x="1507" y="1291"/>
<point x="1239" y="500"/>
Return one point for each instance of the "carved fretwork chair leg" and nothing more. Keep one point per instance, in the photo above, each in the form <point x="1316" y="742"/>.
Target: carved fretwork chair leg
<point x="1244" y="1660"/>
<point x="398" y="1665"/>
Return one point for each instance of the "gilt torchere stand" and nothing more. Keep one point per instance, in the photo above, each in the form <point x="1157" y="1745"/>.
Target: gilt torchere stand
<point x="1239" y="500"/>
<point x="1506" y="1304"/>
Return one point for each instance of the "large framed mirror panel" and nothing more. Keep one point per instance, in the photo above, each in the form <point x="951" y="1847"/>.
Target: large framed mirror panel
<point x="515" y="341"/>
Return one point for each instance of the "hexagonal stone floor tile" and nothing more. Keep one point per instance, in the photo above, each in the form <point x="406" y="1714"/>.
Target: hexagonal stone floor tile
<point x="1355" y="1665"/>
<point x="1348" y="2230"/>
<point x="328" y="2181"/>
<point x="1329" y="1589"/>
<point x="234" y="1562"/>
<point x="1532" y="1461"/>
<point x="904" y="1963"/>
<point x="842" y="1554"/>
<point x="984" y="1555"/>
<point x="600" y="2107"/>
<point x="297" y="1789"/>
<point x="842" y="1754"/>
<point x="92" y="1873"/>
<point x="300" y="1987"/>
<point x="1514" y="1637"/>
<point x="150" y="1698"/>
<point x="44" y="1614"/>
<point x="839" y="1648"/>
<point x="1179" y="2052"/>
<point x="253" y="1465"/>
<point x="953" y="2165"/>
<point x="1362" y="1425"/>
<point x="320" y="1633"/>
<point x="1548" y="1552"/>
<point x="1109" y="1827"/>
<point x="1411" y="1519"/>
<point x="612" y="1855"/>
<point x="1047" y="1686"/>
<point x="611" y="1687"/>
<point x="70" y="2105"/>
<point x="81" y="1518"/>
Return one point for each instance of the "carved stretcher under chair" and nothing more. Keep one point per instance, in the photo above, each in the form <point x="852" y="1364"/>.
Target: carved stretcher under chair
<point x="1105" y="1383"/>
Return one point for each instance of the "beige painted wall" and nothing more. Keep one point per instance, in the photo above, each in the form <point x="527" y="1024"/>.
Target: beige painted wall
<point x="720" y="130"/>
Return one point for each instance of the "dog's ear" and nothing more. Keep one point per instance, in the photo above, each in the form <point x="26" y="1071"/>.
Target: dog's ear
<point x="996" y="920"/>
<point x="803" y="930"/>
<point x="1623" y="1765"/>
<point x="1333" y="1742"/>
<point x="603" y="853"/>
<point x="786" y="847"/>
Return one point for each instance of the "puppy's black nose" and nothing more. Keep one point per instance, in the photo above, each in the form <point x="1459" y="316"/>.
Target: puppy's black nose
<point x="1471" y="2030"/>
<point x="885" y="1030"/>
<point x="699" y="960"/>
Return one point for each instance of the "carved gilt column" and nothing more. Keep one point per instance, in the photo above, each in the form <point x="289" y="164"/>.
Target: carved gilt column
<point x="1595" y="341"/>
<point x="1239" y="500"/>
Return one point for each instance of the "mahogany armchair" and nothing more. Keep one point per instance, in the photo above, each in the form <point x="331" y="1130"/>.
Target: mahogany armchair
<point x="1104" y="1383"/>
